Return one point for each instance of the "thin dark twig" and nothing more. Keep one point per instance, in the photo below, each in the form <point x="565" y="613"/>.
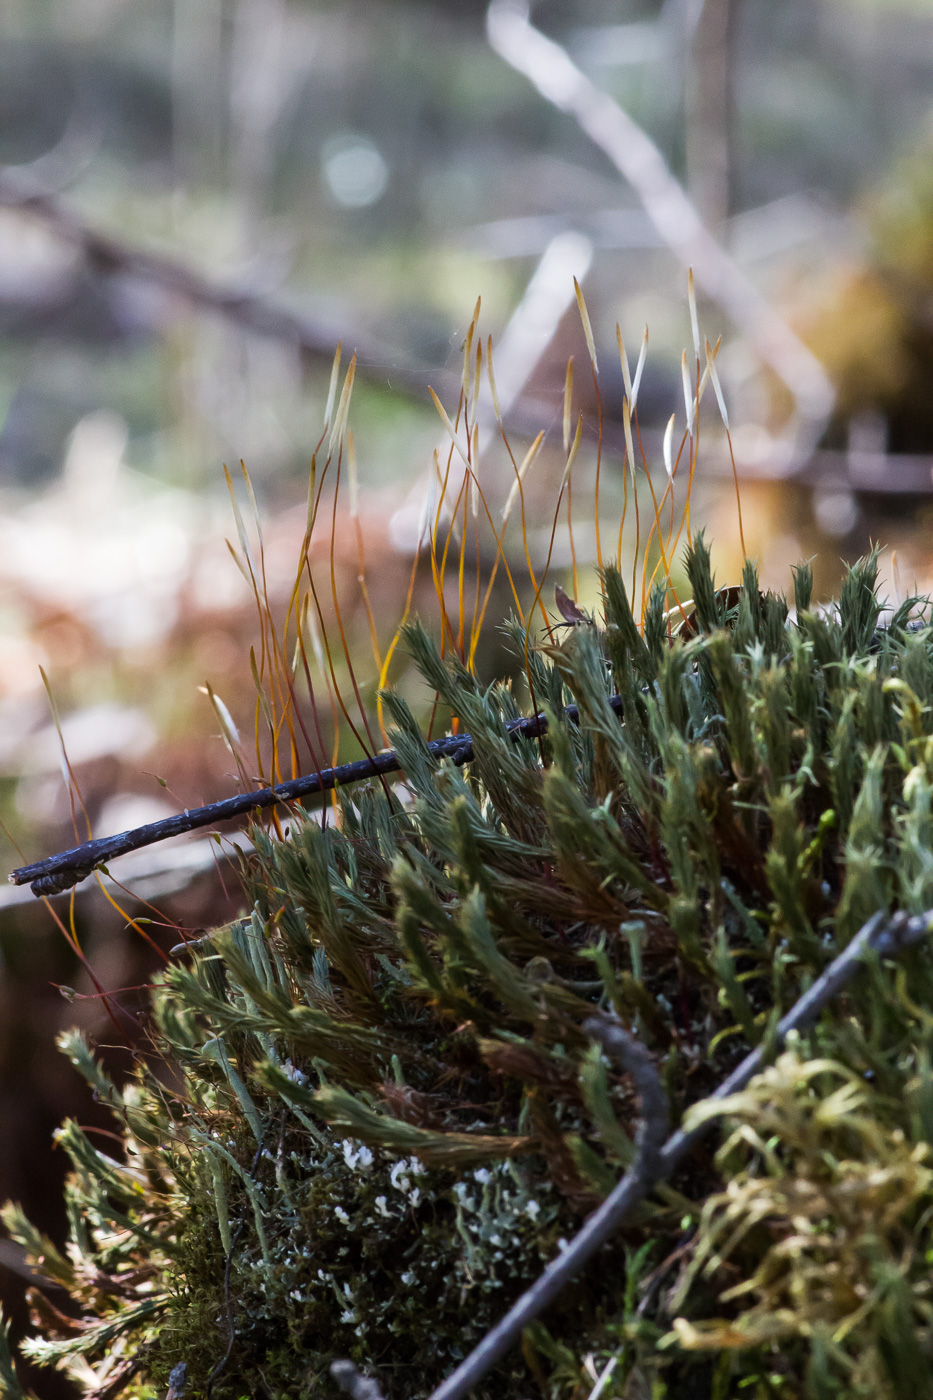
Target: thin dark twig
<point x="60" y="872"/>
<point x="654" y="1110"/>
<point x="646" y="1168"/>
<point x="880" y="937"/>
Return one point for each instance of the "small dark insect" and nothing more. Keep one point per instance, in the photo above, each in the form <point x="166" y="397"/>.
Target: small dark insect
<point x="572" y="615"/>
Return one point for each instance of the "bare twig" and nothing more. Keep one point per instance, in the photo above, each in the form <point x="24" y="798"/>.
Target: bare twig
<point x="636" y="157"/>
<point x="63" y="870"/>
<point x="66" y="869"/>
<point x="647" y="1167"/>
<point x="153" y="874"/>
<point x="652" y="1100"/>
<point x="60" y="872"/>
<point x="881" y="937"/>
<point x="229" y="1314"/>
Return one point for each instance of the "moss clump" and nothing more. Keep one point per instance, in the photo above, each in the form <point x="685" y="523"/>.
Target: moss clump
<point x="845" y="1201"/>
<point x="388" y="1115"/>
<point x="375" y="1257"/>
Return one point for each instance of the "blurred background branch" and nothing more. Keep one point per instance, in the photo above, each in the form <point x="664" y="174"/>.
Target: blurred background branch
<point x="249" y="303"/>
<point x="675" y="217"/>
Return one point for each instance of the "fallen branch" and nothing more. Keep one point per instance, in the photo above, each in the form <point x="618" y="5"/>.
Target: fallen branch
<point x="257" y="312"/>
<point x="62" y="871"/>
<point x="879" y="936"/>
<point x="558" y="79"/>
<point x="66" y="869"/>
<point x="107" y="253"/>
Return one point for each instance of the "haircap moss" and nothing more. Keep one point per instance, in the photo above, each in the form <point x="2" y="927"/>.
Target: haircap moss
<point x="386" y="1114"/>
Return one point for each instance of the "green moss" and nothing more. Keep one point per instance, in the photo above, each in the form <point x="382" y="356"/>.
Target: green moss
<point x="373" y="1258"/>
<point x="389" y="1115"/>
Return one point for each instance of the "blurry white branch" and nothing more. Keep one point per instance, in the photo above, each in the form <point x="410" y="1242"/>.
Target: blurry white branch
<point x="534" y="322"/>
<point x="530" y="330"/>
<point x="638" y="160"/>
<point x="151" y="874"/>
<point x="529" y="234"/>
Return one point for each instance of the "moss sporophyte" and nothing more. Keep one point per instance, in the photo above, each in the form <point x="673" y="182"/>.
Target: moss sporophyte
<point x="384" y="1114"/>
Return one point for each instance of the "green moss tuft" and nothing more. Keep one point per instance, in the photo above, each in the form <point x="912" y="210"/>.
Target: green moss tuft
<point x="389" y="1116"/>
